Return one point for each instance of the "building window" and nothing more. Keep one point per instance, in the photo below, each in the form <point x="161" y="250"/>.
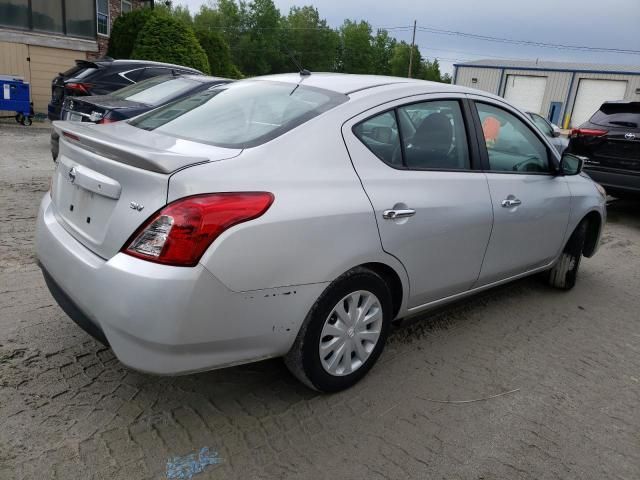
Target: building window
<point x="126" y="6"/>
<point x="102" y="16"/>
<point x="80" y="19"/>
<point x="15" y="13"/>
<point x="46" y="15"/>
<point x="63" y="17"/>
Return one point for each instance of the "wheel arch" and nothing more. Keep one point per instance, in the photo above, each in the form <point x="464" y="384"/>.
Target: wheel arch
<point x="393" y="280"/>
<point x="594" y="226"/>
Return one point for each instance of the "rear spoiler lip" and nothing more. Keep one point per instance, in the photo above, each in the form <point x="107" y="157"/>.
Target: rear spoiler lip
<point x="153" y="160"/>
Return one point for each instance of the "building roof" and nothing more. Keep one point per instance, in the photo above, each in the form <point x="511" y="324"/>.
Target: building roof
<point x="558" y="66"/>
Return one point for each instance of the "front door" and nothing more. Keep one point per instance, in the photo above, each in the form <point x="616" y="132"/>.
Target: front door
<point x="432" y="209"/>
<point x="531" y="204"/>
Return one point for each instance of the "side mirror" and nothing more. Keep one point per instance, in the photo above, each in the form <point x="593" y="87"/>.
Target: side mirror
<point x="571" y="164"/>
<point x="556" y="131"/>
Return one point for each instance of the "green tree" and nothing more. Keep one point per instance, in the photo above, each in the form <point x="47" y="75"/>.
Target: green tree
<point x="356" y="49"/>
<point x="166" y="39"/>
<point x="125" y="30"/>
<point x="309" y="39"/>
<point x="400" y="61"/>
<point x="446" y="78"/>
<point x="218" y="54"/>
<point x="259" y="48"/>
<point x="383" y="48"/>
<point x="430" y="70"/>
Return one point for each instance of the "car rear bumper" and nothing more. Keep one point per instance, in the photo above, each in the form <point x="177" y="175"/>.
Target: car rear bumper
<point x="162" y="319"/>
<point x="616" y="180"/>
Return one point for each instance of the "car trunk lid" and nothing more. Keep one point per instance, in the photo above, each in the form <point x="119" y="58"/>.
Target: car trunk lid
<point x="110" y="178"/>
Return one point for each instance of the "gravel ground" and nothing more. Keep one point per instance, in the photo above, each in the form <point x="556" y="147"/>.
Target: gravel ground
<point x="570" y="362"/>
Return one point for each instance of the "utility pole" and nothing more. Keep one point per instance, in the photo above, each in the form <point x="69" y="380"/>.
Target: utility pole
<point x="413" y="42"/>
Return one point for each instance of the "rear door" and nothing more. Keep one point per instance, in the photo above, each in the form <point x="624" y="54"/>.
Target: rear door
<point x="531" y="204"/>
<point x="432" y="208"/>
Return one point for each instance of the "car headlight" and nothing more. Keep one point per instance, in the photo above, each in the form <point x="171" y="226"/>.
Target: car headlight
<point x="601" y="190"/>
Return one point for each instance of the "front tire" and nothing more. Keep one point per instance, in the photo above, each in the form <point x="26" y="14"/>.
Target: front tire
<point x="344" y="332"/>
<point x="564" y="273"/>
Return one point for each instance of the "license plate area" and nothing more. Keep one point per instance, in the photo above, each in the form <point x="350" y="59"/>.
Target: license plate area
<point x="84" y="212"/>
<point x="73" y="117"/>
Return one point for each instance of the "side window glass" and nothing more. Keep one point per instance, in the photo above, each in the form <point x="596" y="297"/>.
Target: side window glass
<point x="153" y="72"/>
<point x="511" y="145"/>
<point x="542" y="125"/>
<point x="434" y="136"/>
<point x="380" y="135"/>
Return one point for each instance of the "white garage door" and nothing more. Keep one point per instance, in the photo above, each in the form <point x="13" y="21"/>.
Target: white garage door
<point x="593" y="93"/>
<point x="525" y="92"/>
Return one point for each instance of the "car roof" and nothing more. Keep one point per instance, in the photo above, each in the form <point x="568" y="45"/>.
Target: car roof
<point x="346" y="83"/>
<point x="107" y="61"/>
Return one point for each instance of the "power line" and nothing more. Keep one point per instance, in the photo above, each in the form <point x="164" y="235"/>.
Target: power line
<point x="559" y="46"/>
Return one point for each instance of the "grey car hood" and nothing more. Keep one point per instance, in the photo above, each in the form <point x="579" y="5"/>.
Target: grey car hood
<point x="139" y="148"/>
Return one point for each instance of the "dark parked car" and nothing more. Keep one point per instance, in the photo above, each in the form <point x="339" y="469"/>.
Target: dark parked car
<point x="100" y="77"/>
<point x="611" y="142"/>
<point x="132" y="100"/>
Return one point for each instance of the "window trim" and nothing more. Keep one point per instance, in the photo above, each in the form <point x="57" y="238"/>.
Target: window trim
<point x="552" y="162"/>
<point x="108" y="21"/>
<point x="128" y="2"/>
<point x="475" y="160"/>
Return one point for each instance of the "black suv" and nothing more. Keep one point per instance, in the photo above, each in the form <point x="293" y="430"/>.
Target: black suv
<point x="611" y="142"/>
<point x="100" y="77"/>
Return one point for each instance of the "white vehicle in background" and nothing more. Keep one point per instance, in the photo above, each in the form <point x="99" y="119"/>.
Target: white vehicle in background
<point x="297" y="216"/>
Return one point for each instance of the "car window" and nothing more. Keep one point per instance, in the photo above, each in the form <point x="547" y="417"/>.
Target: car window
<point x="380" y="135"/>
<point x="419" y="136"/>
<point x="435" y="137"/>
<point x="542" y="124"/>
<point x="511" y="145"/>
<point x="618" y="115"/>
<point x="151" y="72"/>
<point x="156" y="91"/>
<point x="240" y="115"/>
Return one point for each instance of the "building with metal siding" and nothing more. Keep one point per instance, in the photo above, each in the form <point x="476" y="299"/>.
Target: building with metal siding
<point x="562" y="92"/>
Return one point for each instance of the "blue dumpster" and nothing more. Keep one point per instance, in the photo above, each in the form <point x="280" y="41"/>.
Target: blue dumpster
<point x="14" y="97"/>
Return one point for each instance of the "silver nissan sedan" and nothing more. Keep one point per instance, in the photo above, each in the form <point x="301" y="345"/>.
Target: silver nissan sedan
<point x="299" y="215"/>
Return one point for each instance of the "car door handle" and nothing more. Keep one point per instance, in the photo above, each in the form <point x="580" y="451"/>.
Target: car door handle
<point x="511" y="202"/>
<point x="394" y="214"/>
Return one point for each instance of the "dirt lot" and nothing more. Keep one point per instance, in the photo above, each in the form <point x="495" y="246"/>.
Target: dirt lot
<point x="69" y="409"/>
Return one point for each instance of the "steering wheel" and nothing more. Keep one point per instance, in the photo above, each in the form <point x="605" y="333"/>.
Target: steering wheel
<point x="531" y="160"/>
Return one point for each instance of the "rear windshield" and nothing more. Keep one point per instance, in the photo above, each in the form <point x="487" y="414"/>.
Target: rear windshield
<point x="156" y="90"/>
<point x="79" y="71"/>
<point x="240" y="115"/>
<point x="618" y="115"/>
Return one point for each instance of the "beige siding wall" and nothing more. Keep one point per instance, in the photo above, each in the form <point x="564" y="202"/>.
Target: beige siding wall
<point x="488" y="78"/>
<point x="45" y="64"/>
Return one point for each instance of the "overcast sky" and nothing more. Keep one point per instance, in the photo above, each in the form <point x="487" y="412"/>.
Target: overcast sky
<point x="610" y="24"/>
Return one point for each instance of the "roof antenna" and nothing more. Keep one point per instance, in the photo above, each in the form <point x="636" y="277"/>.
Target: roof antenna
<point x="303" y="71"/>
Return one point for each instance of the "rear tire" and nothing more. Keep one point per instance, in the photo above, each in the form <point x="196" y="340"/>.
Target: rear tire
<point x="564" y="273"/>
<point x="344" y="333"/>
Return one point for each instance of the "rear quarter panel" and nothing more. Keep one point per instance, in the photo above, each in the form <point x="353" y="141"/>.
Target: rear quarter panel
<point x="320" y="225"/>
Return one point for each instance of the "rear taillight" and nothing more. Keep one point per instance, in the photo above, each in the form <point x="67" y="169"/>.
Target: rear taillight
<point x="181" y="232"/>
<point x="587" y="132"/>
<point x="75" y="88"/>
<point x="106" y="120"/>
